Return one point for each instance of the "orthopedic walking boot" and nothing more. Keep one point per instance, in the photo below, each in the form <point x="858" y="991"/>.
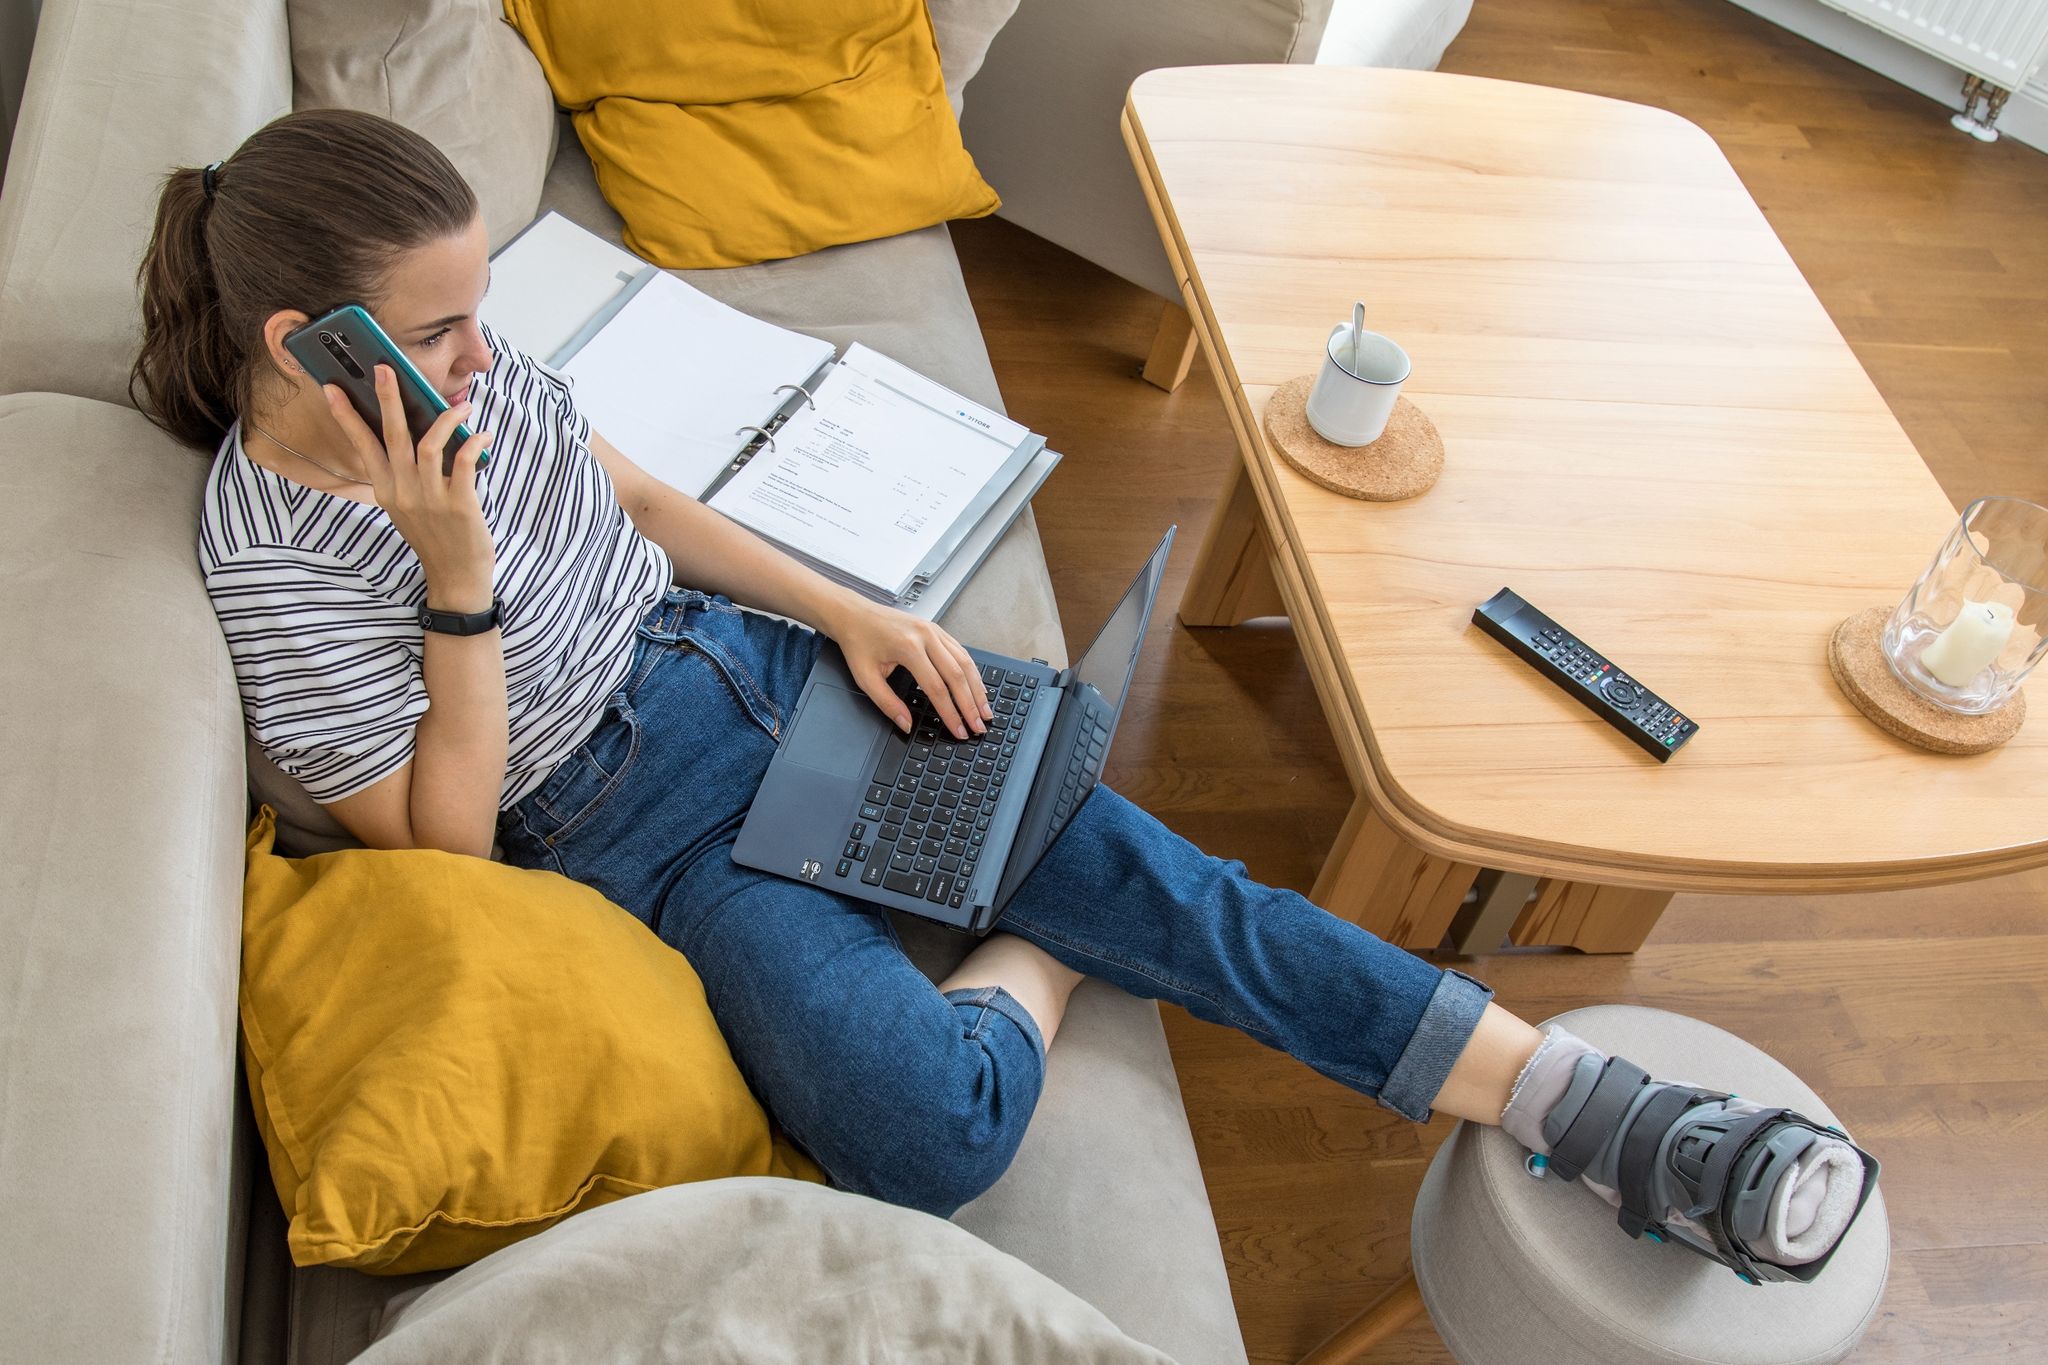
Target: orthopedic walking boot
<point x="1764" y="1191"/>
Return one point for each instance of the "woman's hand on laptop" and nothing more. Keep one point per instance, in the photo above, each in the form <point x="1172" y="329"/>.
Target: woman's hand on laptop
<point x="878" y="640"/>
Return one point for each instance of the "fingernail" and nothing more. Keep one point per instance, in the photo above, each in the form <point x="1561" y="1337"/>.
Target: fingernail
<point x="903" y="721"/>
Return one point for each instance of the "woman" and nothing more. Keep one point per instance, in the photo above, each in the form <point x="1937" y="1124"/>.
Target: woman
<point x="613" y="727"/>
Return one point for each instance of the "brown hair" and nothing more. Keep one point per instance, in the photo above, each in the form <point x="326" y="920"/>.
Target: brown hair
<point x="311" y="212"/>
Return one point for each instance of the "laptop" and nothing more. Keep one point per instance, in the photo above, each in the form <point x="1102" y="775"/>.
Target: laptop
<point x="926" y="823"/>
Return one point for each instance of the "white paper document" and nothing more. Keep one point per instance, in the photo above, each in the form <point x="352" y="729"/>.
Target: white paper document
<point x="674" y="376"/>
<point x="874" y="474"/>
<point x="547" y="282"/>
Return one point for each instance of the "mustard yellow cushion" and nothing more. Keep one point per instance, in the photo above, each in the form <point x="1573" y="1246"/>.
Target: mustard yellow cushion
<point x="727" y="132"/>
<point x="447" y="1055"/>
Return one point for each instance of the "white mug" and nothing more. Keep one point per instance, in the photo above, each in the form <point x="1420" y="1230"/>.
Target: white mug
<point x="1354" y="396"/>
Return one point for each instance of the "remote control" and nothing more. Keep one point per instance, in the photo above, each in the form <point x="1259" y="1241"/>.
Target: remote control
<point x="1646" y="718"/>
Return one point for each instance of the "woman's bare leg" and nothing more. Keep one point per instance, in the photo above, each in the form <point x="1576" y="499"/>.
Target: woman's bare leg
<point x="1484" y="1077"/>
<point x="1039" y="981"/>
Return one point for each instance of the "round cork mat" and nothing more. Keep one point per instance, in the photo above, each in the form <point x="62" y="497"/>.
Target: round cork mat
<point x="1404" y="461"/>
<point x="1856" y="658"/>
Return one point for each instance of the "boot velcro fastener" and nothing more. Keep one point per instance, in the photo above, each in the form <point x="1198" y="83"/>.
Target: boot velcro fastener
<point x="1620" y="1082"/>
<point x="1636" y="1167"/>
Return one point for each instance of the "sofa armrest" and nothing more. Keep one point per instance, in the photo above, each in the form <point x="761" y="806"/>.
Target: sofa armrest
<point x="118" y="93"/>
<point x="1042" y="114"/>
<point x="120" y="898"/>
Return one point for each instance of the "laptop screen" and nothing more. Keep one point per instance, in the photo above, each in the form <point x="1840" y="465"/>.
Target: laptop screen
<point x="1108" y="663"/>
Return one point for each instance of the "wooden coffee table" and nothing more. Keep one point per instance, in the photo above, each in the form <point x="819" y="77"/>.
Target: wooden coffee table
<point x="1653" y="432"/>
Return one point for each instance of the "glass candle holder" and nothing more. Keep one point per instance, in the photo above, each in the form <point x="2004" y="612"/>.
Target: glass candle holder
<point x="1976" y="622"/>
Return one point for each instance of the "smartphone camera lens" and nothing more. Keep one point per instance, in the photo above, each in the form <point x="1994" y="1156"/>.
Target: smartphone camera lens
<point x="339" y="350"/>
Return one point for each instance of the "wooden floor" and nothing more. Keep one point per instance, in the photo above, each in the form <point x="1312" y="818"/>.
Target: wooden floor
<point x="1922" y="1016"/>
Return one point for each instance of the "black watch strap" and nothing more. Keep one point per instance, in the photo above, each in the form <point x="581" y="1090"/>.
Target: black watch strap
<point x="458" y="623"/>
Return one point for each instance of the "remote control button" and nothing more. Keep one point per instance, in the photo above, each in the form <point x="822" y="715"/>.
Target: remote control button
<point x="1623" y="694"/>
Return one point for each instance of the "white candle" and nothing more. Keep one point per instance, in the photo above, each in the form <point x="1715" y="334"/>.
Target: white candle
<point x="1970" y="643"/>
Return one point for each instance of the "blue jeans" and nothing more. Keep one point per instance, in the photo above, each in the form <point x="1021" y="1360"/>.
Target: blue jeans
<point x="898" y="1091"/>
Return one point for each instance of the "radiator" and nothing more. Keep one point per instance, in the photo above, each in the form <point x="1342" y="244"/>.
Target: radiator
<point x="1999" y="41"/>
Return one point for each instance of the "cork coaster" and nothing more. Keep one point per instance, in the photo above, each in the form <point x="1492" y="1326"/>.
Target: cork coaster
<point x="1856" y="659"/>
<point x="1404" y="461"/>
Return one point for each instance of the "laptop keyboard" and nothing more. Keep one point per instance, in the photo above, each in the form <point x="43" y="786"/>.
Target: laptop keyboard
<point x="1084" y="766"/>
<point x="926" y="815"/>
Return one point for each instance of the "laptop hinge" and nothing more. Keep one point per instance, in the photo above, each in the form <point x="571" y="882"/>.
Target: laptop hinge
<point x="1064" y="680"/>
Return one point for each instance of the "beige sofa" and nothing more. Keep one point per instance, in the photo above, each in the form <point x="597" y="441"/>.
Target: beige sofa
<point x="141" y="1224"/>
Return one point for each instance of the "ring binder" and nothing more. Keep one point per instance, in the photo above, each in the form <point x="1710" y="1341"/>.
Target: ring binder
<point x="690" y="383"/>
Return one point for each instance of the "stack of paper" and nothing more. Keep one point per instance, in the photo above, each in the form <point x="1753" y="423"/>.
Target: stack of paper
<point x="876" y="481"/>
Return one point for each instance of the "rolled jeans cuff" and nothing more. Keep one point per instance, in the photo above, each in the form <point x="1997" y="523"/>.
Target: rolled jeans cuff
<point x="1434" y="1048"/>
<point x="976" y="1001"/>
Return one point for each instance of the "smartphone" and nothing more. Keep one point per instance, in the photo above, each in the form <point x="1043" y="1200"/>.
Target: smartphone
<point x="344" y="346"/>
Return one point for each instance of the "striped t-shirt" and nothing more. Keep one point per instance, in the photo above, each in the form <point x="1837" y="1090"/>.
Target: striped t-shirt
<point x="319" y="596"/>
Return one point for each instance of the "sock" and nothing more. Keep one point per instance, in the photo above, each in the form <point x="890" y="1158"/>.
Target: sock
<point x="1808" y="1211"/>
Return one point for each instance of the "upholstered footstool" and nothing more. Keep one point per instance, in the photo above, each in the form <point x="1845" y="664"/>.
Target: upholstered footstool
<point x="1515" y="1270"/>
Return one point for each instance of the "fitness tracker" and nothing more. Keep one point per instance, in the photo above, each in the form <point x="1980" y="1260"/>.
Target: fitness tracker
<point x="457" y="623"/>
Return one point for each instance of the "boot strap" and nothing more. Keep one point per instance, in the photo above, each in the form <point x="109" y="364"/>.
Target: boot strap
<point x="1637" y="1167"/>
<point x="1620" y="1081"/>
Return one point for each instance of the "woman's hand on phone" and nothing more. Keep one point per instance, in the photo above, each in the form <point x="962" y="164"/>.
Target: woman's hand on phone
<point x="438" y="514"/>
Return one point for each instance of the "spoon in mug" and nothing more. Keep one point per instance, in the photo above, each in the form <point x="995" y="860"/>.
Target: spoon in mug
<point x="1357" y="331"/>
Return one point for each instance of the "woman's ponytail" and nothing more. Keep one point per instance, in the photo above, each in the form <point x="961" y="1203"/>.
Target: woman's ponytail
<point x="311" y="212"/>
<point x="188" y="365"/>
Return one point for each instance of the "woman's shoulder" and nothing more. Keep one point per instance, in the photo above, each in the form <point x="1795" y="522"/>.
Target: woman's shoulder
<point x="525" y="401"/>
<point x="254" y="524"/>
<point x="517" y="374"/>
<point x="239" y="510"/>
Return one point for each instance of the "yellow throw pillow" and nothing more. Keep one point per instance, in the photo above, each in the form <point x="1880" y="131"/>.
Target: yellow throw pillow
<point x="727" y="132"/>
<point x="447" y="1055"/>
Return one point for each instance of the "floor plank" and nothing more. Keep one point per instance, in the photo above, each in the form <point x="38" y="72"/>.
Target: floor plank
<point x="1918" y="1014"/>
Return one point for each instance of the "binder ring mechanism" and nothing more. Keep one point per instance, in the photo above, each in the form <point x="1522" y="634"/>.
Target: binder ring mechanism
<point x="766" y="437"/>
<point x="809" y="401"/>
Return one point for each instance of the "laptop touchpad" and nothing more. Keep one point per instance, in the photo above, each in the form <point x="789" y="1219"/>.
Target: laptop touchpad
<point x="835" y="734"/>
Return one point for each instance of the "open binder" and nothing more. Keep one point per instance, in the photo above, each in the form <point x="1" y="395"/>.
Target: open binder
<point x="872" y="474"/>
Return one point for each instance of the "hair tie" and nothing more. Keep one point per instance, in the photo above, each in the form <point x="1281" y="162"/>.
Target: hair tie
<point x="207" y="180"/>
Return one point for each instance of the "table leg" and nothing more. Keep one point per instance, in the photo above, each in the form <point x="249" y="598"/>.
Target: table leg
<point x="1593" y="919"/>
<point x="1387" y="886"/>
<point x="1233" y="575"/>
<point x="1484" y="925"/>
<point x="1173" y="349"/>
<point x="1387" y="1315"/>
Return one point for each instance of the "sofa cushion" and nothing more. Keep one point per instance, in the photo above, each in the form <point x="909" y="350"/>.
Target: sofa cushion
<point x="1060" y="162"/>
<point x="964" y="29"/>
<point x="447" y="1055"/>
<point x="1106" y="1194"/>
<point x="120" y="93"/>
<point x="1411" y="34"/>
<point x="754" y="1270"/>
<point x="120" y="895"/>
<point x="728" y="132"/>
<point x="453" y="71"/>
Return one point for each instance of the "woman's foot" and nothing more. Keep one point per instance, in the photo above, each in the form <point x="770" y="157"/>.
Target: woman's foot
<point x="1765" y="1191"/>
